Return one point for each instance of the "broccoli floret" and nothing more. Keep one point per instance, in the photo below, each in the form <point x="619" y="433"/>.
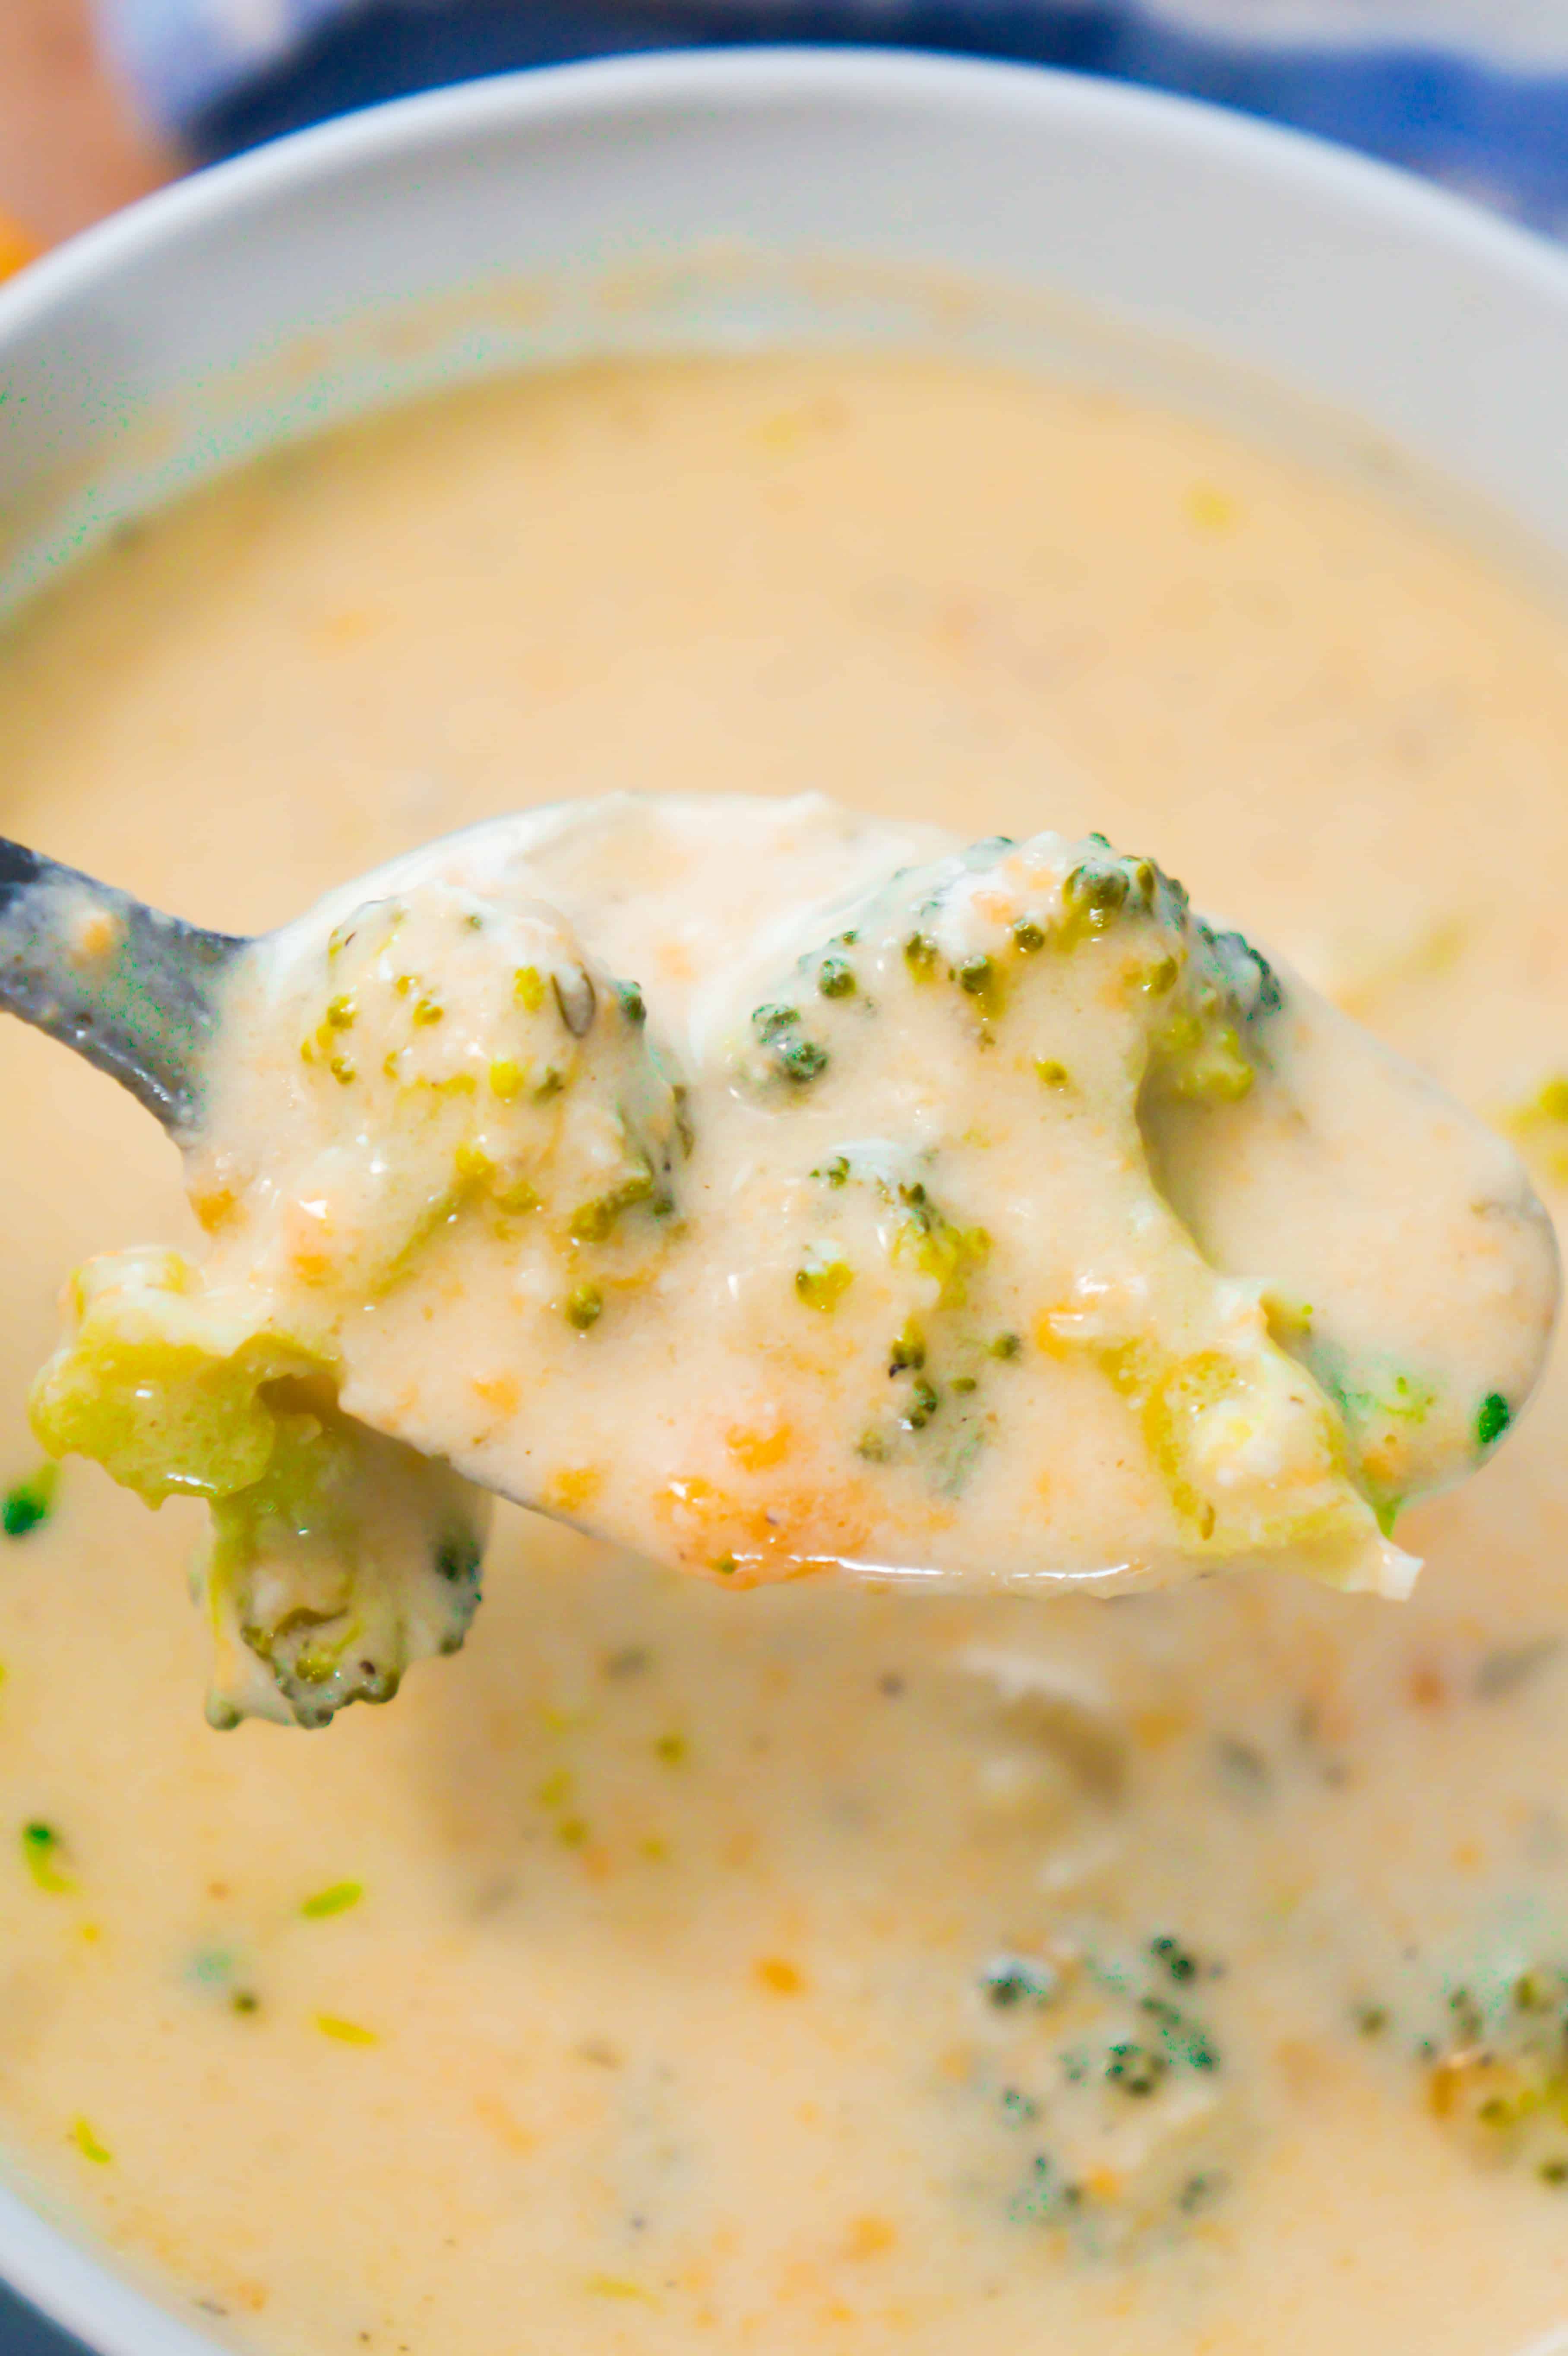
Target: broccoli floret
<point x="504" y="1074"/>
<point x="1489" y="2050"/>
<point x="1061" y="993"/>
<point x="352" y="1558"/>
<point x="1207" y="993"/>
<point x="28" y="1506"/>
<point x="1051" y="1034"/>
<point x="335" y="1557"/>
<point x="162" y="1382"/>
<point x="1103" y="2102"/>
<point x="787" y="1053"/>
<point x="1493" y="1417"/>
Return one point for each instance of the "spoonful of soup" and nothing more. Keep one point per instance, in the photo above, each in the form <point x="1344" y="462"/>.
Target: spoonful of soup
<point x="773" y="1192"/>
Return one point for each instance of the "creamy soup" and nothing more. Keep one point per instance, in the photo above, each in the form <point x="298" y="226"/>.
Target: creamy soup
<point x="860" y="1256"/>
<point x="809" y="1967"/>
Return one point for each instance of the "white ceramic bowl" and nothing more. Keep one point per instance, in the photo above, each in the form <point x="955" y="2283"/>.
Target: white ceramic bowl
<point x="699" y="198"/>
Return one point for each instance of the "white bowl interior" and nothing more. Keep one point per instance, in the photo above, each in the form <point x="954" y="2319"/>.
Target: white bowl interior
<point x="731" y="198"/>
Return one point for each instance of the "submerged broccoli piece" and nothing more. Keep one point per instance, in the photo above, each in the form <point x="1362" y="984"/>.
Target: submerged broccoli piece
<point x="28" y="1506"/>
<point x="1103" y="2103"/>
<point x="1485" y="2053"/>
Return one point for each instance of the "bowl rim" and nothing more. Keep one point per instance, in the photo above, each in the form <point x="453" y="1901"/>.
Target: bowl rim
<point x="76" y="2289"/>
<point x="601" y="89"/>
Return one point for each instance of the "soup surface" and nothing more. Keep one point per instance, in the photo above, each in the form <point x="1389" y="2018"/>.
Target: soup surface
<point x="804" y="1969"/>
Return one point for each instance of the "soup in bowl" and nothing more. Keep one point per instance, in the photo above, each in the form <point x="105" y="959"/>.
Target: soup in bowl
<point x="823" y="1966"/>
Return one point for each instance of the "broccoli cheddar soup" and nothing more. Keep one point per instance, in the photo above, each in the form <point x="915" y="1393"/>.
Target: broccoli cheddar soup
<point x="804" y="1966"/>
<point x="859" y="1280"/>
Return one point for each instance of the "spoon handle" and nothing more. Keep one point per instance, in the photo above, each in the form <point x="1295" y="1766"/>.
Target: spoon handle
<point x="134" y="992"/>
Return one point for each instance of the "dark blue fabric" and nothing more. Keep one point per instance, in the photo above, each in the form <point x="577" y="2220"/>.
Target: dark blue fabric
<point x="22" y="2333"/>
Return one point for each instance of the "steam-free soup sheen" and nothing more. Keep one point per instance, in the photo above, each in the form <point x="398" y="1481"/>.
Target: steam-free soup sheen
<point x="807" y="1968"/>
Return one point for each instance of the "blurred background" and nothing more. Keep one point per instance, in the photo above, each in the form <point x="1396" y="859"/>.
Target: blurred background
<point x="102" y="100"/>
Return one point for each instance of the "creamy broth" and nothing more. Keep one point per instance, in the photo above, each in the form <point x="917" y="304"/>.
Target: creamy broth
<point x="806" y="1969"/>
<point x="1020" y="1228"/>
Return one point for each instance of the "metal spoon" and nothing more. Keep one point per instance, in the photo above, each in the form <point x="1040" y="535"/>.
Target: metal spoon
<point x="133" y="992"/>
